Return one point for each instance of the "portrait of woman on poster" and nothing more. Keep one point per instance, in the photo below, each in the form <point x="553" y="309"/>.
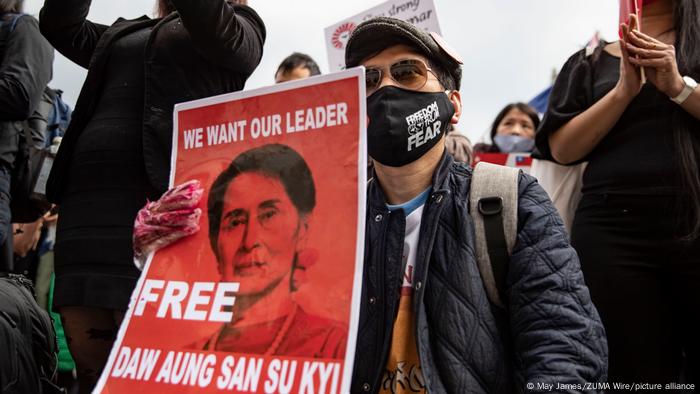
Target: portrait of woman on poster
<point x="259" y="211"/>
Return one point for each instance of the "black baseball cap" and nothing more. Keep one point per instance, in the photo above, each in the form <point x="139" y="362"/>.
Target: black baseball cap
<point x="374" y="35"/>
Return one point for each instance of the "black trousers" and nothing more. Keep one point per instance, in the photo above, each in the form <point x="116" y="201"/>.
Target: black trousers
<point x="645" y="284"/>
<point x="6" y="255"/>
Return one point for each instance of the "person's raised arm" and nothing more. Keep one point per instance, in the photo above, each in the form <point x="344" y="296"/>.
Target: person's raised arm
<point x="231" y="36"/>
<point x="25" y="70"/>
<point x="578" y="137"/>
<point x="64" y="23"/>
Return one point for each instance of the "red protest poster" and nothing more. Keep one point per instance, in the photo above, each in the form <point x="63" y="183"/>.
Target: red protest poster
<point x="263" y="299"/>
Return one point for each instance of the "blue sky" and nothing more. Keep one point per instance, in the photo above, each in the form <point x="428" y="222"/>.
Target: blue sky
<point x="510" y="47"/>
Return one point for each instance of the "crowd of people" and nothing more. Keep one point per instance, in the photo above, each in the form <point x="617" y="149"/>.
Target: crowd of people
<point x="615" y="300"/>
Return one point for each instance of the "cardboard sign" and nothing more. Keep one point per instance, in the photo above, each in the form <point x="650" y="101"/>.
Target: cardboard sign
<point x="264" y="298"/>
<point x="522" y="161"/>
<point x="419" y="12"/>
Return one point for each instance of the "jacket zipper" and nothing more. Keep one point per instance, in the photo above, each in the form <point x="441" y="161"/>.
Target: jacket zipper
<point x="386" y="345"/>
<point x="392" y="296"/>
<point x="426" y="264"/>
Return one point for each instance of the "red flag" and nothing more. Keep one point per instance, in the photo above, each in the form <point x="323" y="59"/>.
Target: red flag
<point x="628" y="7"/>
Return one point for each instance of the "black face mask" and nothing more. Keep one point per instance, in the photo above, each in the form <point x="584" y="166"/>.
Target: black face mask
<point x="405" y="124"/>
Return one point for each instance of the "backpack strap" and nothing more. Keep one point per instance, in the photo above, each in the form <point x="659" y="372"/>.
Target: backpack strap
<point x="13" y="19"/>
<point x="493" y="203"/>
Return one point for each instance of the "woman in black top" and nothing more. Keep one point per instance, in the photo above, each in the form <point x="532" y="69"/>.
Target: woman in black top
<point x="637" y="227"/>
<point x="116" y="153"/>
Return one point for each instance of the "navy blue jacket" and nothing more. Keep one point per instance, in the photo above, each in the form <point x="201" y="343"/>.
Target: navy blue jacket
<point x="550" y="333"/>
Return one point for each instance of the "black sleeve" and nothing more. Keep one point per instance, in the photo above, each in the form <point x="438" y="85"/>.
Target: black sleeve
<point x="571" y="95"/>
<point x="231" y="36"/>
<point x="64" y="24"/>
<point x="25" y="70"/>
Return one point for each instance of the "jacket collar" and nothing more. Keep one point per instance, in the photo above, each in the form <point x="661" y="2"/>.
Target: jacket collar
<point x="377" y="198"/>
<point x="441" y="172"/>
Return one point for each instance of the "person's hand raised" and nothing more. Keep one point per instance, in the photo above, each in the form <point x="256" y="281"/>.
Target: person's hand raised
<point x="658" y="60"/>
<point x="630" y="82"/>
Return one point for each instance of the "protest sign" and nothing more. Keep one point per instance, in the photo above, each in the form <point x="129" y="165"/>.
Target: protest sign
<point x="264" y="298"/>
<point x="521" y="161"/>
<point x="418" y="12"/>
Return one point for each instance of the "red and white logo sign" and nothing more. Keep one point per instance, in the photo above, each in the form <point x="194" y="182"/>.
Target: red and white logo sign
<point x="419" y="12"/>
<point x="342" y="34"/>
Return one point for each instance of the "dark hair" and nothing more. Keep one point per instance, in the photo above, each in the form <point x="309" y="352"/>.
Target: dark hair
<point x="165" y="7"/>
<point x="295" y="60"/>
<point x="522" y="107"/>
<point x="686" y="129"/>
<point x="273" y="160"/>
<point x="445" y="78"/>
<point x="11" y="6"/>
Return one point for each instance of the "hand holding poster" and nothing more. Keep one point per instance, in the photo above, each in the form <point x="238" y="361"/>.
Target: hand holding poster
<point x="264" y="297"/>
<point x="418" y="12"/>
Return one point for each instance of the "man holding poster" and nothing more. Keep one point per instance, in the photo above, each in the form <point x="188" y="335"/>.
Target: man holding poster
<point x="426" y="323"/>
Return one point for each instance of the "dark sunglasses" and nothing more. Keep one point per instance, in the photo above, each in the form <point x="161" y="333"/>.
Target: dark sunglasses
<point x="410" y="74"/>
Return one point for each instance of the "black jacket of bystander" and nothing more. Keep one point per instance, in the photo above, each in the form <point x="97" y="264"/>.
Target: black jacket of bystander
<point x="208" y="47"/>
<point x="26" y="60"/>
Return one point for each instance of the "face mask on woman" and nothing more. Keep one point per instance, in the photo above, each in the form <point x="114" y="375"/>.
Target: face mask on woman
<point x="513" y="143"/>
